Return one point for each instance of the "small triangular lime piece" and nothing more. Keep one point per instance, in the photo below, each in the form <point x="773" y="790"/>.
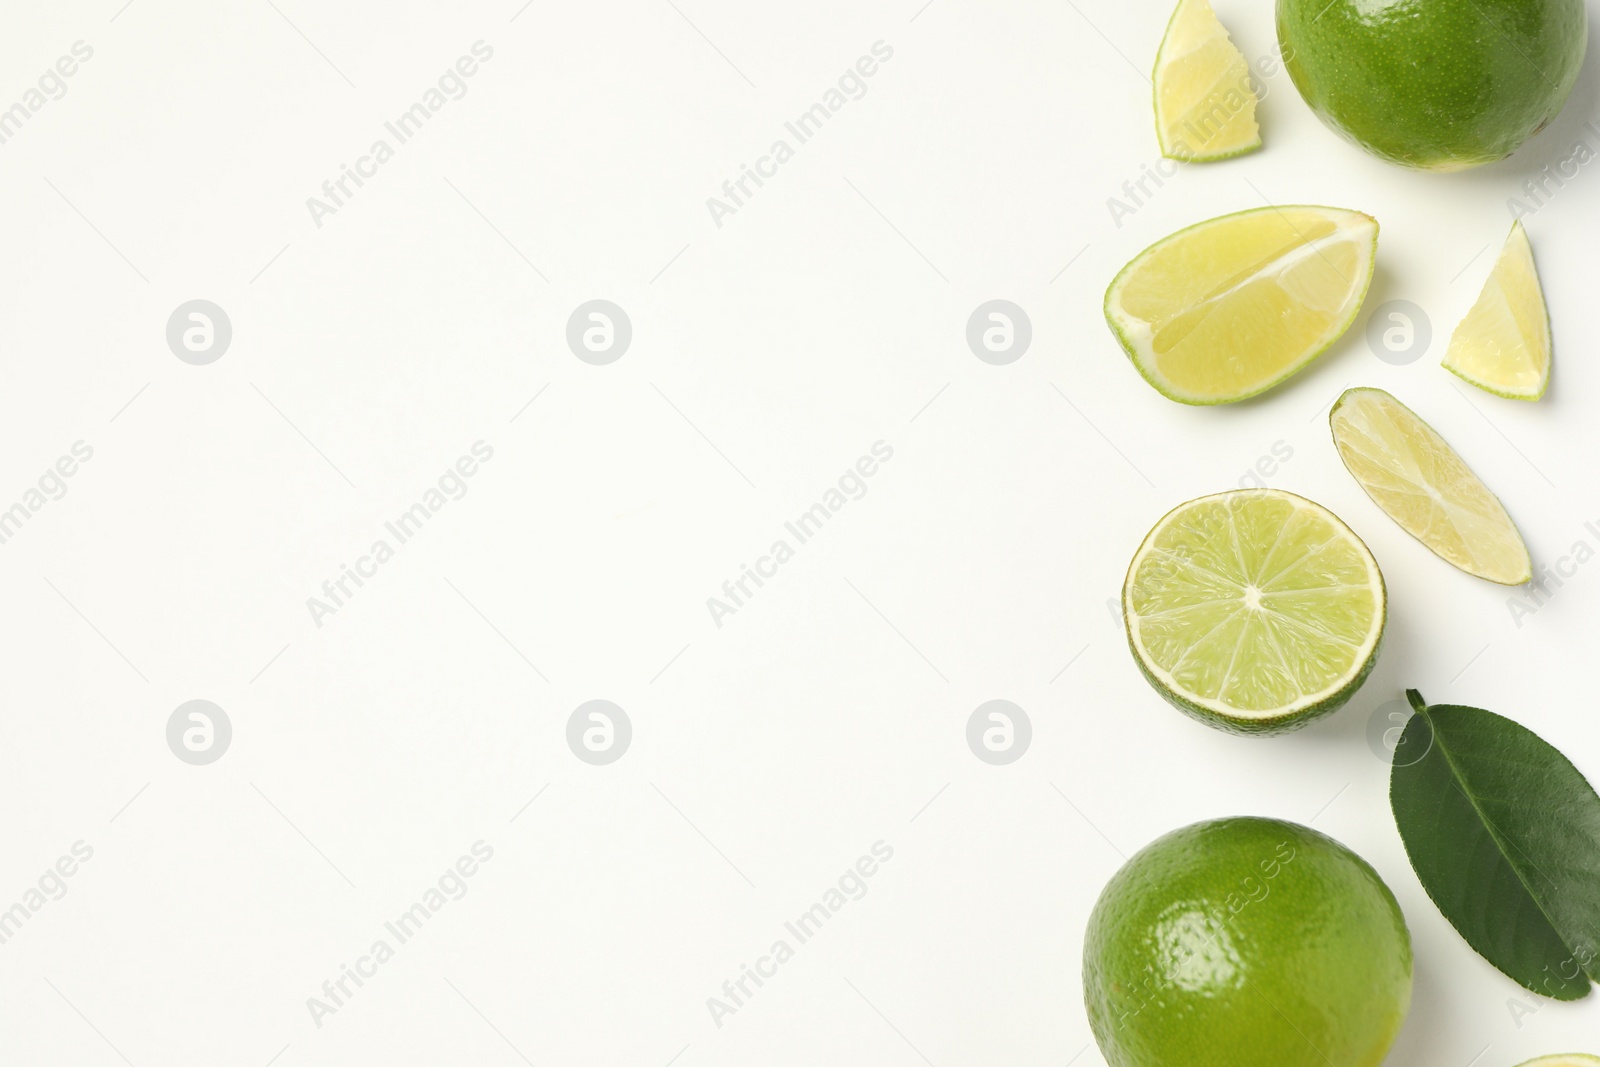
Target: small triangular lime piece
<point x="1205" y="106"/>
<point x="1503" y="345"/>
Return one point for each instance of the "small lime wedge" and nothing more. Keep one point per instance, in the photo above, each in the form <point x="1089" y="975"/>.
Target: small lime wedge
<point x="1205" y="106"/>
<point x="1231" y="307"/>
<point x="1254" y="611"/>
<point x="1503" y="345"/>
<point x="1421" y="483"/>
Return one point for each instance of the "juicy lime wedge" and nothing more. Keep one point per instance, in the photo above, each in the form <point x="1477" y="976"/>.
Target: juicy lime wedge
<point x="1418" y="480"/>
<point x="1503" y="345"/>
<point x="1205" y="107"/>
<point x="1255" y="611"/>
<point x="1229" y="308"/>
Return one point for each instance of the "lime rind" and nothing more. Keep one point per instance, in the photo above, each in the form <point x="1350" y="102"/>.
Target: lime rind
<point x="1126" y="330"/>
<point x="1492" y="390"/>
<point x="1308" y="706"/>
<point x="1192" y="20"/>
<point x="1514" y="264"/>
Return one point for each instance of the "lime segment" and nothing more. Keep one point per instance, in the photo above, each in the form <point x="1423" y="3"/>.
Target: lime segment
<point x="1205" y="107"/>
<point x="1255" y="611"/>
<point x="1421" y="483"/>
<point x="1229" y="308"/>
<point x="1503" y="345"/>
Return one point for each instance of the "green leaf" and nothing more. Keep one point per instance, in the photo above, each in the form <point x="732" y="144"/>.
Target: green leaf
<point x="1504" y="834"/>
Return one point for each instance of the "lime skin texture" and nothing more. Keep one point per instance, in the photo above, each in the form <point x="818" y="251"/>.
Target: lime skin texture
<point x="1434" y="84"/>
<point x="1246" y="942"/>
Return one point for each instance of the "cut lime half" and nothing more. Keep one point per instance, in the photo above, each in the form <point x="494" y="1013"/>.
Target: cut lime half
<point x="1255" y="611"/>
<point x="1205" y="106"/>
<point x="1421" y="483"/>
<point x="1230" y="307"/>
<point x="1503" y="345"/>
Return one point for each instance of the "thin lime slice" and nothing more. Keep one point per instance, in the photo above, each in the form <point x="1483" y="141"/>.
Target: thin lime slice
<point x="1503" y="345"/>
<point x="1205" y="106"/>
<point x="1255" y="611"/>
<point x="1418" y="480"/>
<point x="1230" y="307"/>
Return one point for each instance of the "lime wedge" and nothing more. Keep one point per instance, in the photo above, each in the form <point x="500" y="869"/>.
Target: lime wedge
<point x="1229" y="308"/>
<point x="1205" y="107"/>
<point x="1503" y="345"/>
<point x="1255" y="611"/>
<point x="1418" y="480"/>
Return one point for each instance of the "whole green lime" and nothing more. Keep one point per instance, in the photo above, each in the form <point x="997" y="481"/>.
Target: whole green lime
<point x="1246" y="943"/>
<point x="1434" y="84"/>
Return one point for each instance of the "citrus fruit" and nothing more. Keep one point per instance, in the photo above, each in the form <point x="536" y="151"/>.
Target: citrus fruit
<point x="1571" y="1059"/>
<point x="1246" y="943"/>
<point x="1434" y="84"/>
<point x="1205" y="107"/>
<point x="1503" y="345"/>
<point x="1255" y="611"/>
<point x="1418" y="480"/>
<point x="1229" y="308"/>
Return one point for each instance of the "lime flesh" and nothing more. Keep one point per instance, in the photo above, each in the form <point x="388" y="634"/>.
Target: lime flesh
<point x="1255" y="611"/>
<point x="1205" y="107"/>
<point x="1230" y="307"/>
<point x="1503" y="345"/>
<point x="1421" y="483"/>
<point x="1246" y="943"/>
<point x="1434" y="84"/>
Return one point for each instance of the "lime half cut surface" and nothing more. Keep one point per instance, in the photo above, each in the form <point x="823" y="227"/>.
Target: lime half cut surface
<point x="1503" y="345"/>
<point x="1205" y="106"/>
<point x="1421" y="483"/>
<point x="1233" y="306"/>
<point x="1255" y="611"/>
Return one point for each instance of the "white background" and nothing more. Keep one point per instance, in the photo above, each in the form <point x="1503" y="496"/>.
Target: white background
<point x="768" y="354"/>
